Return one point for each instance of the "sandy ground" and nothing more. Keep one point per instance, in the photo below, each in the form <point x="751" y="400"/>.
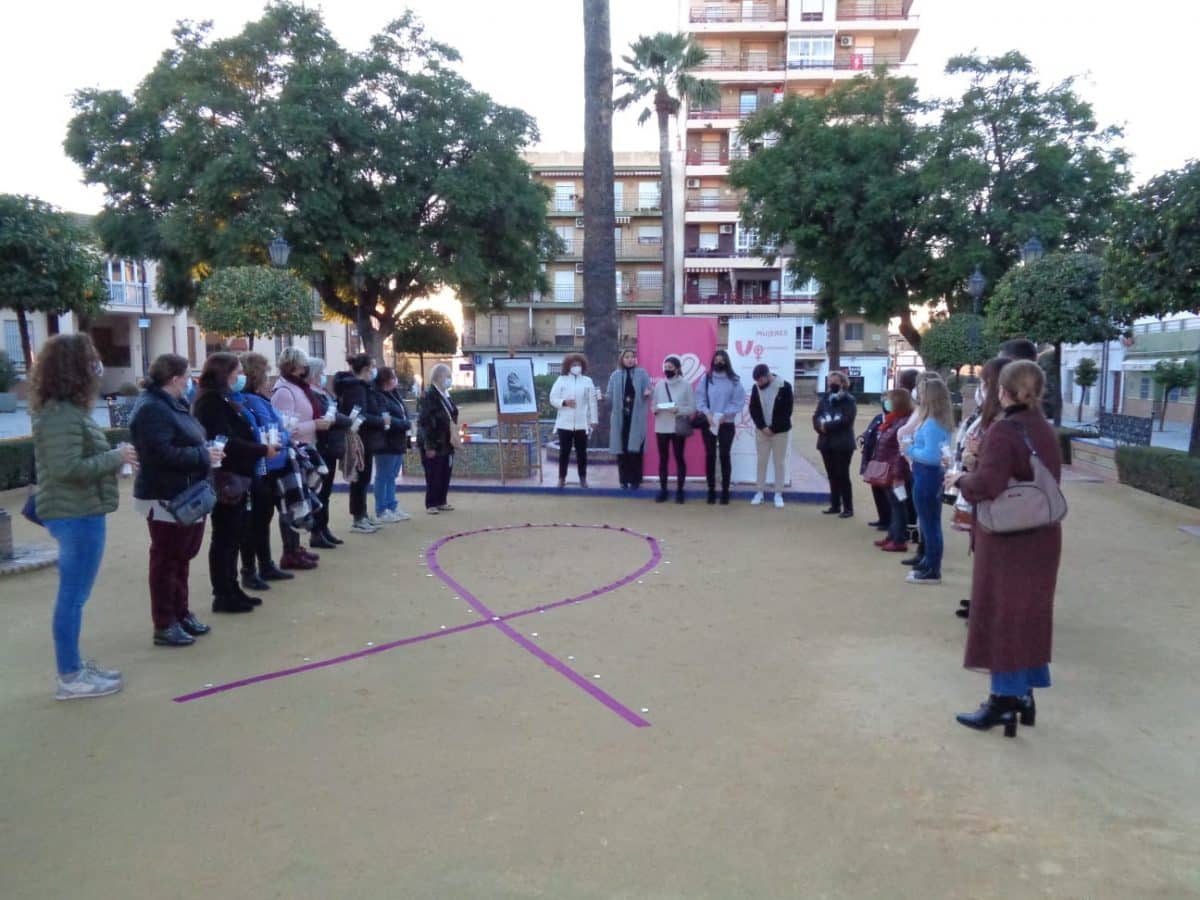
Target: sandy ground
<point x="800" y="700"/>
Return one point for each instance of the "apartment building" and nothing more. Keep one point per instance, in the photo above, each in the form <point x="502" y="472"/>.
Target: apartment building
<point x="547" y="326"/>
<point x="759" y="53"/>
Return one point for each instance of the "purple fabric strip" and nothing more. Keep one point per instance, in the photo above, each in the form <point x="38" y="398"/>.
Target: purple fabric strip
<point x="499" y="622"/>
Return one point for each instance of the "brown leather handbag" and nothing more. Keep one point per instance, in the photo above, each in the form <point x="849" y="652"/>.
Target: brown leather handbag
<point x="1024" y="505"/>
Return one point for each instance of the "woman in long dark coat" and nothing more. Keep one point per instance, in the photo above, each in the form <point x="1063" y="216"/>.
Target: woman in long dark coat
<point x="1010" y="630"/>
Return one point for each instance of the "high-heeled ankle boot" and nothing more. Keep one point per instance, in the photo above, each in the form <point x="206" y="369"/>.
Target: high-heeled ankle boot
<point x="996" y="710"/>
<point x="662" y="496"/>
<point x="1028" y="710"/>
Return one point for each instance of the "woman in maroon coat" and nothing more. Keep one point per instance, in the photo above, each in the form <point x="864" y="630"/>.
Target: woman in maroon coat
<point x="1012" y="589"/>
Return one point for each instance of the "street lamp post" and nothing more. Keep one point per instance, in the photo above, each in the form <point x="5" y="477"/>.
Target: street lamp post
<point x="976" y="285"/>
<point x="1032" y="250"/>
<point x="279" y="250"/>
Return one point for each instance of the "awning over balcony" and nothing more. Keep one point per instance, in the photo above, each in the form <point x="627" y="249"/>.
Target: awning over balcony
<point x="692" y="268"/>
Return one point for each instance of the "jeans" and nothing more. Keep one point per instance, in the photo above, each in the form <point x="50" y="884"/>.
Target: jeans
<point x="837" y="469"/>
<point x="667" y="442"/>
<point x="358" y="489"/>
<point x="1021" y="682"/>
<point x="565" y="441"/>
<point x="898" y="522"/>
<point x="718" y="446"/>
<point x="80" y="549"/>
<point x="172" y="549"/>
<point x="927" y="497"/>
<point x="437" y="479"/>
<point x="387" y="467"/>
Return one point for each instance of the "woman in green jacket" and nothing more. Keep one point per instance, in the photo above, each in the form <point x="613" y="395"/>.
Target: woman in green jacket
<point x="77" y="487"/>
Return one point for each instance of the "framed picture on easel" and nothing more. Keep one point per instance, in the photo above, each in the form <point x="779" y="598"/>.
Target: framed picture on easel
<point x="515" y="395"/>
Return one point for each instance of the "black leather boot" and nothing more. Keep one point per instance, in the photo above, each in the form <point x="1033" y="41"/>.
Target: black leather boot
<point x="662" y="495"/>
<point x="272" y="572"/>
<point x="252" y="581"/>
<point x="679" y="495"/>
<point x="329" y="536"/>
<point x="173" y="636"/>
<point x="712" y="496"/>
<point x="996" y="710"/>
<point x="1028" y="710"/>
<point x="231" y="604"/>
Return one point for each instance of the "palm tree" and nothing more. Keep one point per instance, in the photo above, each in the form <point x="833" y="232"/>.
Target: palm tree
<point x="660" y="66"/>
<point x="599" y="248"/>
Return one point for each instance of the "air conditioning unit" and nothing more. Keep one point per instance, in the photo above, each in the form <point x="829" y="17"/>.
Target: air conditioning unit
<point x="693" y="182"/>
<point x="580" y="331"/>
<point x="726" y="229"/>
<point x="846" y="40"/>
<point x="578" y="268"/>
<point x="579" y="222"/>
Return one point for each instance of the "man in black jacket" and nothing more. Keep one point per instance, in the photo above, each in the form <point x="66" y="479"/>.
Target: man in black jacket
<point x="774" y="395"/>
<point x="834" y="423"/>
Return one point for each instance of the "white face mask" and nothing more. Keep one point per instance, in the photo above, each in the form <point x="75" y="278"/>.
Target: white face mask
<point x="576" y="370"/>
<point x="98" y="368"/>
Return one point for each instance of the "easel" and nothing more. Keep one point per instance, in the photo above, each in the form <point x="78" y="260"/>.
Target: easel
<point x="513" y="429"/>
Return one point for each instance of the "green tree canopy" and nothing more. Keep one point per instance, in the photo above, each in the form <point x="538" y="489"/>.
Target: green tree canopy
<point x="1013" y="158"/>
<point x="48" y="263"/>
<point x="254" y="301"/>
<point x="1170" y="374"/>
<point x="840" y="181"/>
<point x="425" y="331"/>
<point x="386" y="171"/>
<point x="1087" y="373"/>
<point x="958" y="340"/>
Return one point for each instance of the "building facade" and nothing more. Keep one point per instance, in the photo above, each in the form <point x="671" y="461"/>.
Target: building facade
<point x="759" y="53"/>
<point x="547" y="326"/>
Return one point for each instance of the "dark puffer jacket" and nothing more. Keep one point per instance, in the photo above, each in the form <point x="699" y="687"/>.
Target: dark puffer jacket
<point x="170" y="446"/>
<point x="839" y="430"/>
<point x="396" y="439"/>
<point x="352" y="391"/>
<point x="217" y="413"/>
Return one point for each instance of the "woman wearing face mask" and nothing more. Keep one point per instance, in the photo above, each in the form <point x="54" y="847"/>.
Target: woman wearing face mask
<point x="898" y="408"/>
<point x="721" y="397"/>
<point x="226" y="419"/>
<point x="331" y="444"/>
<point x="673" y="403"/>
<point x="356" y="389"/>
<point x="293" y="396"/>
<point x="574" y="396"/>
<point x="927" y="456"/>
<point x="171" y="448"/>
<point x="437" y="439"/>
<point x="834" y="423"/>
<point x="868" y="443"/>
<point x="628" y="391"/>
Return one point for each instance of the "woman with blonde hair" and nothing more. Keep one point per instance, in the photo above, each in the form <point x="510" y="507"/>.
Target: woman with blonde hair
<point x="76" y="489"/>
<point x="932" y="428"/>
<point x="1010" y="629"/>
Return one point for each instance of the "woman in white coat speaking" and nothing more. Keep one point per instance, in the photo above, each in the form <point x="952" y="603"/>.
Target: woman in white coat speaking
<point x="574" y="396"/>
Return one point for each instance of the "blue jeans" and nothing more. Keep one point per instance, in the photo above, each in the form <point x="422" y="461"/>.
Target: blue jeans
<point x="80" y="549"/>
<point x="1020" y="682"/>
<point x="387" y="467"/>
<point x="927" y="497"/>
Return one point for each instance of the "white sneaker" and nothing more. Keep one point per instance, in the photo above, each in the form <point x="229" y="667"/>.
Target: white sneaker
<point x="377" y="523"/>
<point x="757" y="499"/>
<point x="363" y="526"/>
<point x="391" y="517"/>
<point x="83" y="684"/>
<point x="779" y="501"/>
<point x="92" y="666"/>
<point x="401" y="515"/>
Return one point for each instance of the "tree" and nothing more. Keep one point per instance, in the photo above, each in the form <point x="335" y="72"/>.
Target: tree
<point x="1154" y="254"/>
<point x="661" y="66"/>
<point x="47" y="264"/>
<point x="1054" y="300"/>
<point x="1171" y="375"/>
<point x="958" y="340"/>
<point x="254" y="301"/>
<point x="599" y="249"/>
<point x="425" y="331"/>
<point x="389" y="175"/>
<point x="1087" y="373"/>
<point x="1012" y="158"/>
<point x="840" y="180"/>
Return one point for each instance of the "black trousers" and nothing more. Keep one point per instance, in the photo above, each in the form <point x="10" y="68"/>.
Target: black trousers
<point x="675" y="443"/>
<point x="629" y="466"/>
<point x="321" y="518"/>
<point x="565" y="441"/>
<point x="837" y="469"/>
<point x="358" y="490"/>
<point x="256" y="538"/>
<point x="718" y="445"/>
<point x="883" y="509"/>
<point x="228" y="529"/>
<point x="437" y="479"/>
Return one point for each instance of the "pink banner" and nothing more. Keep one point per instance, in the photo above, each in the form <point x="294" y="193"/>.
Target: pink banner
<point x="694" y="340"/>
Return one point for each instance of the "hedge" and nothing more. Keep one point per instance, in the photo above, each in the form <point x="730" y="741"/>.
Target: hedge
<point x="474" y="395"/>
<point x="16" y="458"/>
<point x="1168" y="473"/>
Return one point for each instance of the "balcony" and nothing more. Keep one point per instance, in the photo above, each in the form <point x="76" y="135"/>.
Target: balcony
<point x="643" y="248"/>
<point x="125" y="296"/>
<point x="737" y="12"/>
<point x="727" y="110"/>
<point x="700" y="203"/>
<point x="879" y="10"/>
<point x="720" y="157"/>
<point x="641" y="205"/>
<point x="853" y="62"/>
<point x="718" y="253"/>
<point x="743" y="62"/>
<point x="695" y="298"/>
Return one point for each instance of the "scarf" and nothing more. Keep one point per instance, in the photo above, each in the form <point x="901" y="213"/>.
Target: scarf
<point x="308" y="392"/>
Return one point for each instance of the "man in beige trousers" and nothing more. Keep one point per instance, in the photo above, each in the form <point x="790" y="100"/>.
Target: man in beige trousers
<point x="771" y="403"/>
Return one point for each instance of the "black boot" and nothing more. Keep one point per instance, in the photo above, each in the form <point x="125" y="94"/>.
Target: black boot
<point x="251" y="580"/>
<point x="964" y="611"/>
<point x="679" y="495"/>
<point x="662" y="494"/>
<point x="1027" y="710"/>
<point x="272" y="572"/>
<point x="231" y="604"/>
<point x="995" y="711"/>
<point x="194" y="626"/>
<point x="724" y="496"/>
<point x="173" y="636"/>
<point x="712" y="496"/>
<point x="329" y="536"/>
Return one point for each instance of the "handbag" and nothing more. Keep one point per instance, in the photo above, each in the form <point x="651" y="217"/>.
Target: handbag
<point x="1024" y="505"/>
<point x="699" y="419"/>
<point x="683" y="425"/>
<point x="193" y="503"/>
<point x="231" y="488"/>
<point x="878" y="474"/>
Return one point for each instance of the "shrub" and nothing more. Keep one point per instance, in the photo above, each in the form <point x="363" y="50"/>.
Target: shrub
<point x="474" y="395"/>
<point x="16" y="458"/>
<point x="1168" y="473"/>
<point x="541" y="386"/>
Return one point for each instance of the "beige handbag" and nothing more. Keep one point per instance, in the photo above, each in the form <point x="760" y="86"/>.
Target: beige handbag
<point x="1024" y="505"/>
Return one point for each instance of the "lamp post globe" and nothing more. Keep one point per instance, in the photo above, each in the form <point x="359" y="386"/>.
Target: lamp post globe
<point x="1032" y="250"/>
<point x="280" y="250"/>
<point x="975" y="287"/>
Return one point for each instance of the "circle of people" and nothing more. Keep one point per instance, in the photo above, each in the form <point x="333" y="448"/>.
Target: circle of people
<point x="242" y="450"/>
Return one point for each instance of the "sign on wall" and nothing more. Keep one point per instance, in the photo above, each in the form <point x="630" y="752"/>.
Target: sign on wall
<point x="754" y="341"/>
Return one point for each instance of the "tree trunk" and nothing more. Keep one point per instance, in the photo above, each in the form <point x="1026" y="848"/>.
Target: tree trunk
<point x="26" y="347"/>
<point x="599" y="251"/>
<point x="668" y="205"/>
<point x="834" y="330"/>
<point x="1194" y="443"/>
<point x="421" y="363"/>
<point x="1058" y="404"/>
<point x="368" y="334"/>
<point x="250" y="342"/>
<point x="909" y="330"/>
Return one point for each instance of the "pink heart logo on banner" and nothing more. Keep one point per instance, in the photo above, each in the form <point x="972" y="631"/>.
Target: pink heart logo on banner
<point x="693" y="369"/>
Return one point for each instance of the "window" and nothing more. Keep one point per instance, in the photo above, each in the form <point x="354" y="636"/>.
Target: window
<point x="649" y="285"/>
<point x="812" y="10"/>
<point x="281" y="342"/>
<point x="810" y="51"/>
<point x="747" y="240"/>
<point x="619" y="285"/>
<point x="499" y="330"/>
<point x="564" y="196"/>
<point x="566" y="233"/>
<point x="708" y="287"/>
<point x="649" y="195"/>
<point x="649" y="234"/>
<point x="804" y="337"/>
<point x="748" y="101"/>
<point x="12" y="341"/>
<point x="1144" y="388"/>
<point x="316" y="344"/>
<point x="710" y="150"/>
<point x="564" y="286"/>
<point x="618" y="195"/>
<point x="853" y="331"/>
<point x="709" y="240"/>
<point x="564" y="330"/>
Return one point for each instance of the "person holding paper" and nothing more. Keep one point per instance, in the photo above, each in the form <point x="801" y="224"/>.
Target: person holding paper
<point x="674" y="405"/>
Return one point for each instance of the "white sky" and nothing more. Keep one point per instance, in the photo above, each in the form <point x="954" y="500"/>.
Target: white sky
<point x="529" y="53"/>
